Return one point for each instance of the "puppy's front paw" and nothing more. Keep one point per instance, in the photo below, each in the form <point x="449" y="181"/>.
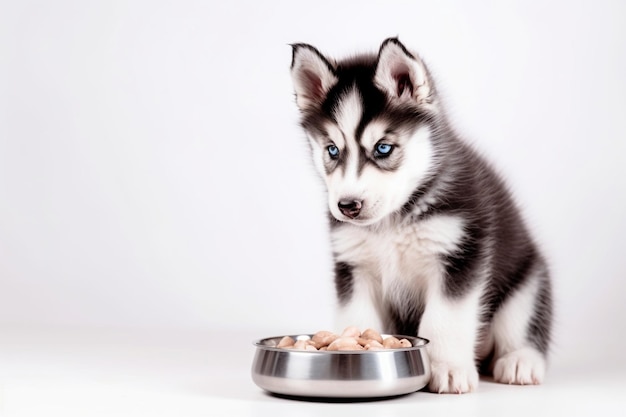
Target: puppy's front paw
<point x="452" y="378"/>
<point x="523" y="367"/>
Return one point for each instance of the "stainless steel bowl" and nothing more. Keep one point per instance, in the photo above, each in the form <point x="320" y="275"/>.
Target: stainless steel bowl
<point x="341" y="374"/>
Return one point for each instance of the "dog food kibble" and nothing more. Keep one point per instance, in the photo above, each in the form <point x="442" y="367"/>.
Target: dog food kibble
<point x="372" y="335"/>
<point x="351" y="339"/>
<point x="286" y="342"/>
<point x="405" y="343"/>
<point x="304" y="345"/>
<point x="345" y="343"/>
<point x="323" y="338"/>
<point x="391" y="342"/>
<point x="351" y="331"/>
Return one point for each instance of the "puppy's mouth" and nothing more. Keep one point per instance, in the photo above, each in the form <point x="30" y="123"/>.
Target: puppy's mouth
<point x="361" y="221"/>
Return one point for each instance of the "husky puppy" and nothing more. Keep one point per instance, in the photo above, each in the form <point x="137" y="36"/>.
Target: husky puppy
<point x="425" y="235"/>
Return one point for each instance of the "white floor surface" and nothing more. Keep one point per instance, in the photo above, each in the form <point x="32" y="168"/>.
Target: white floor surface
<point x="105" y="372"/>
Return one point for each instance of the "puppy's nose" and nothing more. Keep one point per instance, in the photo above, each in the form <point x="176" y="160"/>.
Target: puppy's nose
<point x="350" y="208"/>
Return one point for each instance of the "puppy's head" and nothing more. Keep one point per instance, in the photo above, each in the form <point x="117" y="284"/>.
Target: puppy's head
<point x="369" y="122"/>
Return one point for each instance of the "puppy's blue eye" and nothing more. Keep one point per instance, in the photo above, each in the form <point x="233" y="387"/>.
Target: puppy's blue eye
<point x="333" y="151"/>
<point x="383" y="149"/>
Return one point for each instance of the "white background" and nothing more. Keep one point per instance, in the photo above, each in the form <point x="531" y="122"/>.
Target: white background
<point x="153" y="174"/>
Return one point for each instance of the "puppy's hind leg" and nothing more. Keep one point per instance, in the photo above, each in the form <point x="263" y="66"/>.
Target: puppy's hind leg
<point x="521" y="332"/>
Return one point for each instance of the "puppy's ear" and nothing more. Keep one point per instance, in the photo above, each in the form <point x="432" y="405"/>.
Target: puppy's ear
<point x="313" y="75"/>
<point x="401" y="74"/>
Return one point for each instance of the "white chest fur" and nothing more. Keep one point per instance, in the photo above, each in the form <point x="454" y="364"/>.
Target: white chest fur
<point x="399" y="257"/>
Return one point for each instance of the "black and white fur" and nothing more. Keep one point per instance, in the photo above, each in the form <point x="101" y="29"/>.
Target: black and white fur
<point x="425" y="236"/>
